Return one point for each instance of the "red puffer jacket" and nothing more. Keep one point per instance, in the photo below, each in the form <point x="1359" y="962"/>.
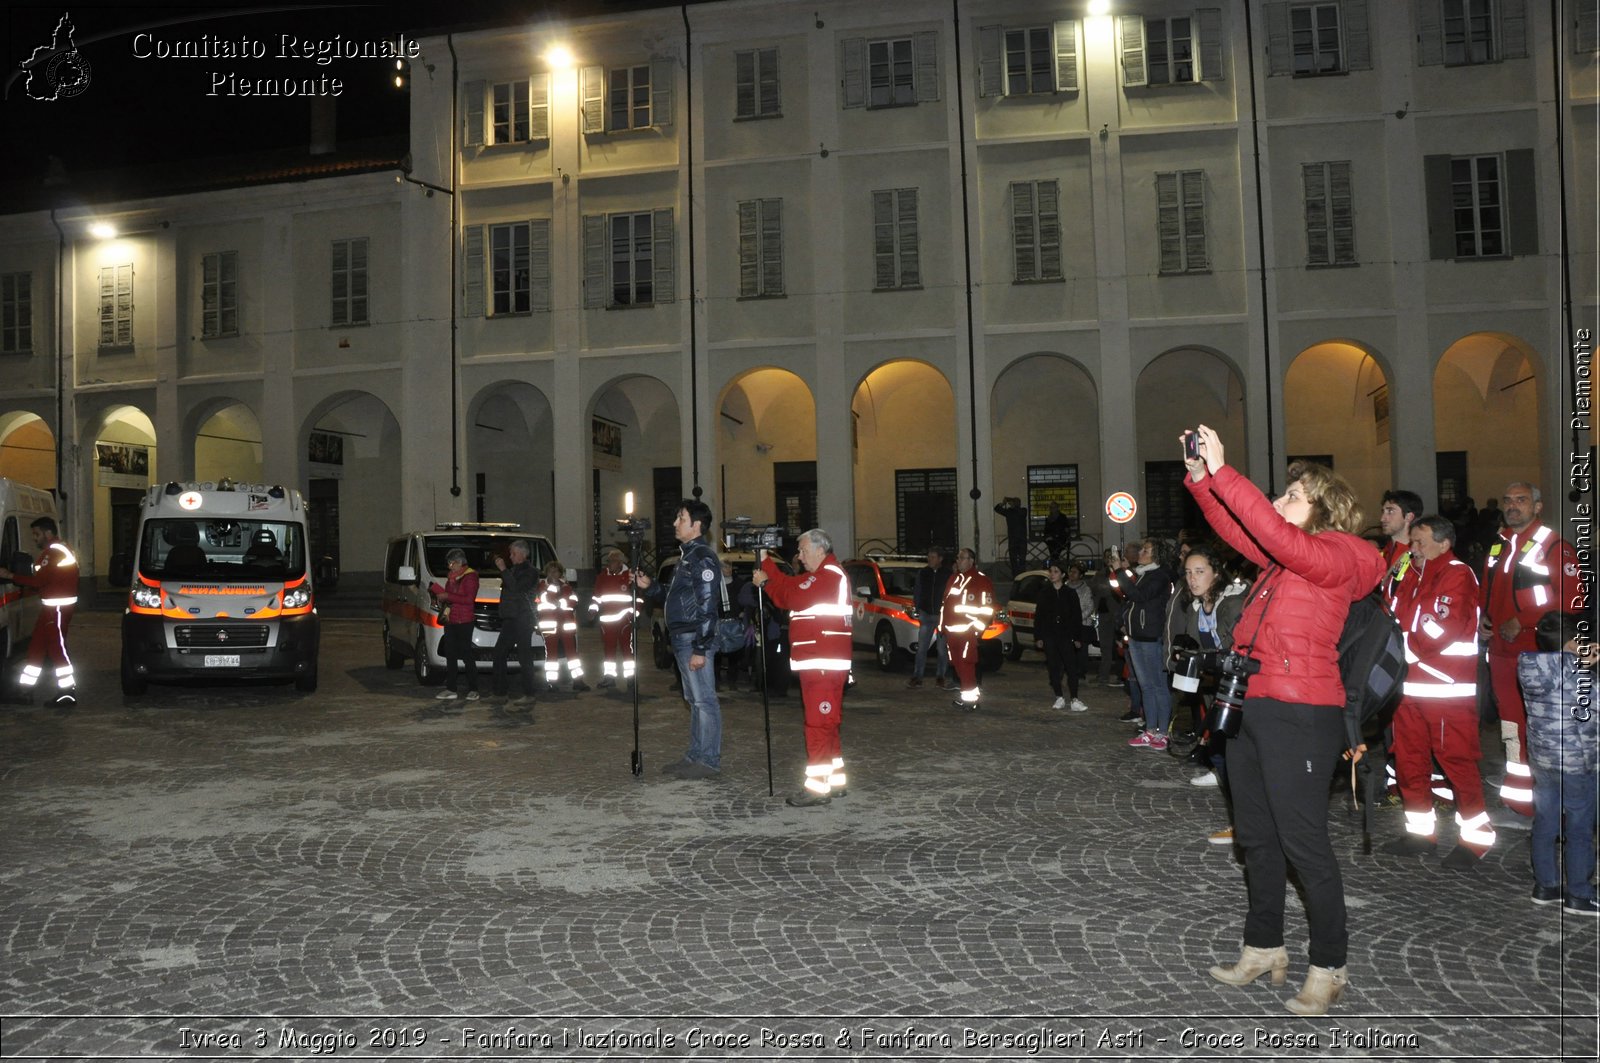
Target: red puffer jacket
<point x="1315" y="579"/>
<point x="457" y="597"/>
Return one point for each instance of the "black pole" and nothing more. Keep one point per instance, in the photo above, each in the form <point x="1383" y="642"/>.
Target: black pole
<point x="1261" y="246"/>
<point x="761" y="648"/>
<point x="966" y="257"/>
<point x="636" y="544"/>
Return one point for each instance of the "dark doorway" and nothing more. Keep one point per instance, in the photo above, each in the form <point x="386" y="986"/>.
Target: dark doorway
<point x="1450" y="472"/>
<point x="1168" y="506"/>
<point x="124" y="503"/>
<point x="668" y="485"/>
<point x="794" y="494"/>
<point x="925" y="509"/>
<point x="322" y="521"/>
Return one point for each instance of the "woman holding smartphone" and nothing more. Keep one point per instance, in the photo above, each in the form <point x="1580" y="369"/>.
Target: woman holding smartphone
<point x="1282" y="762"/>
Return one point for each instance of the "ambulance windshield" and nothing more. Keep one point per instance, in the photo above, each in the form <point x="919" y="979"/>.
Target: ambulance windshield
<point x="222" y="550"/>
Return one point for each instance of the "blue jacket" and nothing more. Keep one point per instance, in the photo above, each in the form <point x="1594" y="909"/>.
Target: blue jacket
<point x="1558" y="740"/>
<point x="694" y="596"/>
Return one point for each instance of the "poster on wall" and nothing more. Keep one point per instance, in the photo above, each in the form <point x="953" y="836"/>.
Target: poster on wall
<point x="606" y="442"/>
<point x="122" y="465"/>
<point x="325" y="452"/>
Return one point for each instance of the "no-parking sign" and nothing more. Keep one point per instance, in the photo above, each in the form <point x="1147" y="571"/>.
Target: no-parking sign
<point x="1121" y="507"/>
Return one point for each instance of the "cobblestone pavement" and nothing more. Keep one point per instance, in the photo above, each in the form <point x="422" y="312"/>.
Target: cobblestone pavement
<point x="233" y="871"/>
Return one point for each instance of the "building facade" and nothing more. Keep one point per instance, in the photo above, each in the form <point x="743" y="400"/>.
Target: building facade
<point x="851" y="265"/>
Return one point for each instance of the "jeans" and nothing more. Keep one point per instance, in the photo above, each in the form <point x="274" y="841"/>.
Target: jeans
<point x="516" y="633"/>
<point x="1153" y="690"/>
<point x="926" y="640"/>
<point x="705" y="712"/>
<point x="1555" y="793"/>
<point x="1279" y="768"/>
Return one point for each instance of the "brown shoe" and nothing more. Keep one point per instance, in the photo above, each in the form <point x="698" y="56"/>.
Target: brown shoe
<point x="1253" y="963"/>
<point x="1324" y="986"/>
<point x="914" y="682"/>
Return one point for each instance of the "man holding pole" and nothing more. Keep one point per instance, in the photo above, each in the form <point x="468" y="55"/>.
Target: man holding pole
<point x="819" y="607"/>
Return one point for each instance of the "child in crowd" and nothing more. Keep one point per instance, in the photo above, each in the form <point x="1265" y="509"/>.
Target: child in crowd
<point x="1563" y="748"/>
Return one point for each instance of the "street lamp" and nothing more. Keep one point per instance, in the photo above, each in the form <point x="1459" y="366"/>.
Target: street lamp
<point x="558" y="57"/>
<point x="102" y="230"/>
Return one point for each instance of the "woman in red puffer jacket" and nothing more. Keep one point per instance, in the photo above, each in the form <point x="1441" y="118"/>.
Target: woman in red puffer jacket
<point x="457" y="597"/>
<point x="1292" y="735"/>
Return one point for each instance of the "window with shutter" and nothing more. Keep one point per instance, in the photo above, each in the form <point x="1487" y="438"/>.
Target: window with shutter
<point x="349" y="277"/>
<point x="1036" y="230"/>
<point x="116" y="306"/>
<point x="16" y="312"/>
<point x="1468" y="32"/>
<point x="539" y="265"/>
<point x="891" y="78"/>
<point x="509" y="113"/>
<point x="755" y="89"/>
<point x="1476" y="197"/>
<point x="895" y="239"/>
<point x="1180" y="222"/>
<point x="1169" y="50"/>
<point x="760" y="248"/>
<point x="1315" y="37"/>
<point x="219" y="295"/>
<point x="1330" y="227"/>
<point x="628" y="98"/>
<point x="510" y="269"/>
<point x="629" y="257"/>
<point x="472" y="301"/>
<point x="1586" y="29"/>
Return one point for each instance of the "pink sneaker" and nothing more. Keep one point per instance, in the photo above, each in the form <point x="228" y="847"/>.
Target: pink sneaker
<point x="1157" y="744"/>
<point x="1142" y="740"/>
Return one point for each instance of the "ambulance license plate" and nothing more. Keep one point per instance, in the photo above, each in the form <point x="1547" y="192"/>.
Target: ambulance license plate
<point x="222" y="660"/>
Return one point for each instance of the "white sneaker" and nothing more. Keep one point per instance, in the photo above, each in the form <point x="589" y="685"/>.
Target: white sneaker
<point x="445" y="695"/>
<point x="1208" y="779"/>
<point x="1059" y="703"/>
<point x="473" y="695"/>
<point x="1078" y="706"/>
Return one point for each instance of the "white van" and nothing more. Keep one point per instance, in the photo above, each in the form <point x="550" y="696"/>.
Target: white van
<point x="222" y="587"/>
<point x="20" y="506"/>
<point x="415" y="560"/>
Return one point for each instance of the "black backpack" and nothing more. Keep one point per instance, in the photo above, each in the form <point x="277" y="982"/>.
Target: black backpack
<point x="1372" y="666"/>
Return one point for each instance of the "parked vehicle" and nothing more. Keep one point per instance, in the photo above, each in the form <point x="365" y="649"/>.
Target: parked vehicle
<point x="220" y="587"/>
<point x="415" y="560"/>
<point x="886" y="617"/>
<point x="20" y="506"/>
<point x="744" y="563"/>
<point x="1022" y="606"/>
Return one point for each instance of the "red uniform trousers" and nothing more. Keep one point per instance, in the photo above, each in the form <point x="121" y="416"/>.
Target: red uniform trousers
<point x="964" y="660"/>
<point x="49" y="643"/>
<point x="1445" y="730"/>
<point x="617" y="657"/>
<point x="822" y="693"/>
<point x="1516" y="793"/>
<point x="556" y="645"/>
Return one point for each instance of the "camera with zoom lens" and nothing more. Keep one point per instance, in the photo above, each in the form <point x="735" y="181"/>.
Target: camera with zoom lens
<point x="1189" y="663"/>
<point x="633" y="527"/>
<point x="1227" y="711"/>
<point x="741" y="533"/>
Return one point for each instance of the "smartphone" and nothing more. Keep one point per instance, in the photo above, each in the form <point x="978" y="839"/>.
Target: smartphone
<point x="1191" y="444"/>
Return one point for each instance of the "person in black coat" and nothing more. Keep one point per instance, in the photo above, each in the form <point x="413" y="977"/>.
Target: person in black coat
<point x="1058" y="631"/>
<point x="1016" y="515"/>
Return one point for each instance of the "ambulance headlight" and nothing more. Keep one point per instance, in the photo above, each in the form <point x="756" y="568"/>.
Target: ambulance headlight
<point x="298" y="598"/>
<point x="147" y="597"/>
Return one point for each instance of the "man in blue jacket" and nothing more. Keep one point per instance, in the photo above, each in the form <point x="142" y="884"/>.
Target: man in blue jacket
<point x="692" y="600"/>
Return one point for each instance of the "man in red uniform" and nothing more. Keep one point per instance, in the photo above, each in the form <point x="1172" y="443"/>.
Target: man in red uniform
<point x="819" y="655"/>
<point x="968" y="608"/>
<point x="1400" y="509"/>
<point x="557" y="603"/>
<point x="56" y="577"/>
<point x="1529" y="572"/>
<point x="1437" y="605"/>
<point x="612" y="605"/>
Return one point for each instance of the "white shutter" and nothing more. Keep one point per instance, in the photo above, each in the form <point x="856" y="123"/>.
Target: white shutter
<point x="1280" y="43"/>
<point x="473" y="303"/>
<point x="1024" y="248"/>
<point x="1357" y="36"/>
<point x="663" y="73"/>
<point x="744" y="84"/>
<point x="1313" y="176"/>
<point x="910" y="240"/>
<point x="991" y="61"/>
<point x="883" y="239"/>
<point x="539" y="107"/>
<point x="661" y="255"/>
<point x="925" y="65"/>
<point x="1066" y="35"/>
<point x="1430" y="34"/>
<point x="1195" y="256"/>
<point x="1169" y="236"/>
<point x="539" y="264"/>
<point x="596" y="263"/>
<point x="749" y="249"/>
<point x="772" y="247"/>
<point x="1341" y="213"/>
<point x="472" y="124"/>
<point x="1513" y="29"/>
<point x="1209" y="22"/>
<point x="108" y="305"/>
<point x="592" y="96"/>
<point x="770" y="99"/>
<point x="1049" y="200"/>
<point x="853" y="64"/>
<point x="1586" y="35"/>
<point x="1133" y="66"/>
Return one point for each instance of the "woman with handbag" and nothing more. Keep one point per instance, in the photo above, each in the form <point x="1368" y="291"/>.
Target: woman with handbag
<point x="1281" y="763"/>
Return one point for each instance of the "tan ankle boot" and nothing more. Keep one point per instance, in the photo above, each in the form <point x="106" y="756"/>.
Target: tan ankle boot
<point x="1323" y="987"/>
<point x="1252" y="964"/>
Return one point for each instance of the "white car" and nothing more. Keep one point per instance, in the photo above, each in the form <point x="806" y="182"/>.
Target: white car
<point x="1024" y="595"/>
<point x="885" y="612"/>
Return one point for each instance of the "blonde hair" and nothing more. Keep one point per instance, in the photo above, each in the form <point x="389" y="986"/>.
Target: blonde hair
<point x="1333" y="501"/>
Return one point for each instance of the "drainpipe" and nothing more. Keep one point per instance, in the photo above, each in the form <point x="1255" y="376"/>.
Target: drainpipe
<point x="694" y="356"/>
<point x="966" y="257"/>
<point x="455" y="181"/>
<point x="1575" y="355"/>
<point x="1261" y="247"/>
<point x="61" y="396"/>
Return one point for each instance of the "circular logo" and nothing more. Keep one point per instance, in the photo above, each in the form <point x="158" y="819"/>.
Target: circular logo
<point x="68" y="74"/>
<point x="707" y="575"/>
<point x="825" y="708"/>
<point x="1121" y="507"/>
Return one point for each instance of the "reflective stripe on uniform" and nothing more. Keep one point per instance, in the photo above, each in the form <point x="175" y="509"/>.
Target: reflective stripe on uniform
<point x="1477" y="830"/>
<point x="1420" y="823"/>
<point x="1439" y="690"/>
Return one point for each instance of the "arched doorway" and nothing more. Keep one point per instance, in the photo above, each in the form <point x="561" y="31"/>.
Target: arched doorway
<point x="27" y="450"/>
<point x="227" y="443"/>
<point x="1336" y="410"/>
<point x="767" y="450"/>
<point x="351" y="444"/>
<point x="1486" y="418"/>
<point x="1045" y="431"/>
<point x="125" y="464"/>
<point x="1177" y="390"/>
<point x="904" y="426"/>
<point x="636" y="441"/>
<point x="511" y="456"/>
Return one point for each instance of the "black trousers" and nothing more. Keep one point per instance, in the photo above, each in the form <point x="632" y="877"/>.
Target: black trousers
<point x="1061" y="656"/>
<point x="519" y="634"/>
<point x="1279" y="769"/>
<point x="454" y="644"/>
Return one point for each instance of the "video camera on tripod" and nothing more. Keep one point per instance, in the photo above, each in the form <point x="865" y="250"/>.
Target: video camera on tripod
<point x="634" y="527"/>
<point x="742" y="533"/>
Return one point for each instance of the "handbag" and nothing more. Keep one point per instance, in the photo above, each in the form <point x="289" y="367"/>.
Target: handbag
<point x="730" y="636"/>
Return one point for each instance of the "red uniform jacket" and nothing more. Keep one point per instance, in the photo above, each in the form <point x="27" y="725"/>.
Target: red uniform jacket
<point x="968" y="604"/>
<point x="613" y="597"/>
<point x="1437" y="606"/>
<point x="819" y="614"/>
<point x="1527" y="574"/>
<point x="1316" y="579"/>
<point x="558" y="607"/>
<point x="55" y="576"/>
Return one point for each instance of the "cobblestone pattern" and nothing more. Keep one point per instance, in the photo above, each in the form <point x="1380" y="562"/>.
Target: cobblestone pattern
<point x="252" y="851"/>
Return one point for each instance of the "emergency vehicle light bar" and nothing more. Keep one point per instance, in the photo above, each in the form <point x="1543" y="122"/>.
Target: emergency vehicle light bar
<point x="271" y="491"/>
<point x="467" y="525"/>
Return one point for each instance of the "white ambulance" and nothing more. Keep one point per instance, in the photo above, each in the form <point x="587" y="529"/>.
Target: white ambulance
<point x="20" y="506"/>
<point x="221" y="588"/>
